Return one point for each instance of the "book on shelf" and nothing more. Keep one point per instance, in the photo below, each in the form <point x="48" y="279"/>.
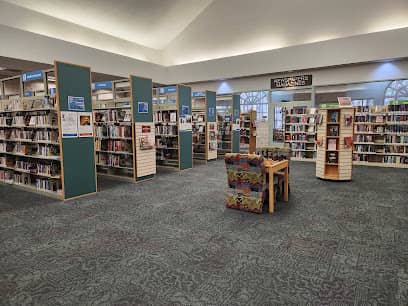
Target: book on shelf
<point x="334" y="116"/>
<point x="332" y="144"/>
<point x="332" y="157"/>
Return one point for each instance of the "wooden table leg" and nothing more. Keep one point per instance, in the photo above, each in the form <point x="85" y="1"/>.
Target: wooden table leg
<point x="271" y="193"/>
<point x="286" y="185"/>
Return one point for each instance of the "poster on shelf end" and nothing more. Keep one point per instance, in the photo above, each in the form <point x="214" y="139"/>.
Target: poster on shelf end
<point x="85" y="126"/>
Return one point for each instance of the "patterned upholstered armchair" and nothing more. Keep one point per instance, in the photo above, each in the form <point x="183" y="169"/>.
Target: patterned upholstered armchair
<point x="247" y="184"/>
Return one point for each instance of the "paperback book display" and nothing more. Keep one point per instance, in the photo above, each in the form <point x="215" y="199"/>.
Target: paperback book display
<point x="381" y="135"/>
<point x="334" y="143"/>
<point x="300" y="132"/>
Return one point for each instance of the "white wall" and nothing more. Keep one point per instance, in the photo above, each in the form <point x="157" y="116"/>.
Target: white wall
<point x="37" y="48"/>
<point x="357" y="49"/>
<point x="325" y="76"/>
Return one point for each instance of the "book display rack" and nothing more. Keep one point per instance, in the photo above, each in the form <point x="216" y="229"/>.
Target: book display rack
<point x="35" y="147"/>
<point x="204" y="126"/>
<point x="124" y="131"/>
<point x="381" y="135"/>
<point x="248" y="132"/>
<point x="228" y="113"/>
<point x="173" y="126"/>
<point x="334" y="143"/>
<point x="300" y="132"/>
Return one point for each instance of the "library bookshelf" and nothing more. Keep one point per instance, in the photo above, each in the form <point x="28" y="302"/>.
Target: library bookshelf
<point x="300" y="132"/>
<point x="113" y="122"/>
<point x="228" y="113"/>
<point x="381" y="135"/>
<point x="247" y="137"/>
<point x="124" y="130"/>
<point x="173" y="126"/>
<point x="35" y="153"/>
<point x="204" y="126"/>
<point x="334" y="143"/>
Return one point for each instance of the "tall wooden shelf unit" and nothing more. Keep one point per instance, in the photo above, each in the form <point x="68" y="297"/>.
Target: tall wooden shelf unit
<point x="124" y="130"/>
<point x="247" y="137"/>
<point x="204" y="125"/>
<point x="228" y="114"/>
<point x="334" y="143"/>
<point x="173" y="125"/>
<point x="300" y="132"/>
<point x="381" y="135"/>
<point x="34" y="152"/>
<point x="113" y="119"/>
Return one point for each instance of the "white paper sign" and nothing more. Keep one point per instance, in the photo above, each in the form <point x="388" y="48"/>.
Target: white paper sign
<point x="186" y="123"/>
<point x="85" y="125"/>
<point x="69" y="124"/>
<point x="344" y="101"/>
<point x="236" y="127"/>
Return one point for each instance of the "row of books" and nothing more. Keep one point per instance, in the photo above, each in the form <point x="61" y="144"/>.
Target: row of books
<point x="166" y="130"/>
<point x="301" y="128"/>
<point x="300" y="137"/>
<point x="165" y="116"/>
<point x="302" y="110"/>
<point x="114" y="115"/>
<point x="164" y="142"/>
<point x="34" y="167"/>
<point x="113" y="131"/>
<point x="380" y="149"/>
<point x="113" y="145"/>
<point x="36" y="103"/>
<point x="398" y="108"/>
<point x="301" y="119"/>
<point x="25" y="179"/>
<point x="396" y="139"/>
<point x="303" y="146"/>
<point x="30" y="149"/>
<point x="114" y="160"/>
<point x="29" y="120"/>
<point x="31" y="135"/>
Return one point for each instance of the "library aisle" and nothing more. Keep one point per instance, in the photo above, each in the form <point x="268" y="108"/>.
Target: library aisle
<point x="156" y="233"/>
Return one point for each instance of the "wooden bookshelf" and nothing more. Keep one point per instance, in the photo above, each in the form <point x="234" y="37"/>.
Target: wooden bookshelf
<point x="334" y="143"/>
<point x="34" y="154"/>
<point x="228" y="111"/>
<point x="247" y="137"/>
<point x="173" y="126"/>
<point x="381" y="135"/>
<point x="114" y="138"/>
<point x="204" y="126"/>
<point x="124" y="129"/>
<point x="300" y="132"/>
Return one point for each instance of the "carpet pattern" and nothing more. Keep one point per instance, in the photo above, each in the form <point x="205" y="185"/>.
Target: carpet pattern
<point x="171" y="241"/>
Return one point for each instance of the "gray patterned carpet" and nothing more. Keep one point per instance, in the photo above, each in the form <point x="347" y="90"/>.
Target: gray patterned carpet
<point x="170" y="241"/>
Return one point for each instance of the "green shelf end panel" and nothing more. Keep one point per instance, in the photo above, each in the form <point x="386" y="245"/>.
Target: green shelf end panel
<point x="142" y="99"/>
<point x="236" y="112"/>
<point x="186" y="137"/>
<point x="78" y="153"/>
<point x="211" y="99"/>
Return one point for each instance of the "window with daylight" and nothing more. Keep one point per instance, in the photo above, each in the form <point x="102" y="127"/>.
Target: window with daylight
<point x="255" y="100"/>
<point x="396" y="91"/>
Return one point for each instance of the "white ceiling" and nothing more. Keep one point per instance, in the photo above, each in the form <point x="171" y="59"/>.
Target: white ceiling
<point x="150" y="23"/>
<point x="174" y="32"/>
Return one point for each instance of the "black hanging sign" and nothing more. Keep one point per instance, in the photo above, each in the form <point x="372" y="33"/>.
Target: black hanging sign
<point x="294" y="81"/>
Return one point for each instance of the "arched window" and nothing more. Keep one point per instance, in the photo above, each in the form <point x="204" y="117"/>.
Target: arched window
<point x="255" y="100"/>
<point x="396" y="91"/>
